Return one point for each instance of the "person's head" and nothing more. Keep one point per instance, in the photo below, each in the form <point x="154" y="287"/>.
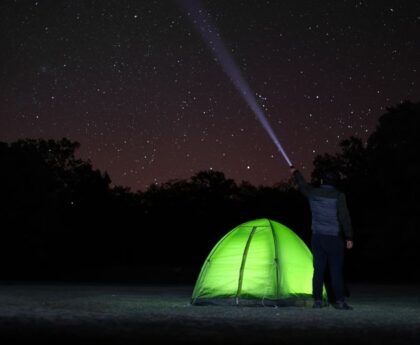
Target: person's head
<point x="330" y="177"/>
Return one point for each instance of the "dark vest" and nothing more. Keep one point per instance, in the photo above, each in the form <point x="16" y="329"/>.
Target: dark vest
<point x="323" y="203"/>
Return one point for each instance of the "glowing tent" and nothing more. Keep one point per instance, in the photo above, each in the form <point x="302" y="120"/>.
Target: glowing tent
<point x="259" y="262"/>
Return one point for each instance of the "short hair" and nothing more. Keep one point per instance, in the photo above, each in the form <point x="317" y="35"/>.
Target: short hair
<point x="330" y="177"/>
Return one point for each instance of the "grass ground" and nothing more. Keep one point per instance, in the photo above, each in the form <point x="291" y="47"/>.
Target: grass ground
<point x="119" y="314"/>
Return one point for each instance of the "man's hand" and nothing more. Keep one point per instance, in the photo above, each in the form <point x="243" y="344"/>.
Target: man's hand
<point x="349" y="244"/>
<point x="292" y="169"/>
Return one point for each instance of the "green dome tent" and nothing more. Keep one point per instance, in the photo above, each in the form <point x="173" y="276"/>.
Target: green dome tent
<point x="260" y="262"/>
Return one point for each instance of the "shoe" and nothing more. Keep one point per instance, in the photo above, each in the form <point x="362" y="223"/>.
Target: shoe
<point x="341" y="305"/>
<point x="317" y="305"/>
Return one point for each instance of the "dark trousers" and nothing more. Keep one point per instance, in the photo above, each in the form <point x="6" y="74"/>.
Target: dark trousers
<point x="328" y="250"/>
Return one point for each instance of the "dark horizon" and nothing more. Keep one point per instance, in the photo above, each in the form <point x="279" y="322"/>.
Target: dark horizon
<point x="55" y="205"/>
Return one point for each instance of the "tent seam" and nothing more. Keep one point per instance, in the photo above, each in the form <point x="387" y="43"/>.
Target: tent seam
<point x="244" y="256"/>
<point x="276" y="259"/>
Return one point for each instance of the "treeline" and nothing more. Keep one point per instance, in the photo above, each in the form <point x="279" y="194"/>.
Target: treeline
<point x="62" y="219"/>
<point x="382" y="182"/>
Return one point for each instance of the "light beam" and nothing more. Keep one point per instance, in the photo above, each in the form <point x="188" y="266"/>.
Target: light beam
<point x="202" y="22"/>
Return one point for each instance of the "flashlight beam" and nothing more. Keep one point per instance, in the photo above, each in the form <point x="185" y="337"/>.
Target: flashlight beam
<point x="202" y="22"/>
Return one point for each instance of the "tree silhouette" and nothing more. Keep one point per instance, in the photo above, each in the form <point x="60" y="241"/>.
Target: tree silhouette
<point x="61" y="219"/>
<point x="49" y="198"/>
<point x="381" y="180"/>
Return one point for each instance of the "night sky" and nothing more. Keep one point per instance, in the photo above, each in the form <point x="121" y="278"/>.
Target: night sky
<point x="136" y="85"/>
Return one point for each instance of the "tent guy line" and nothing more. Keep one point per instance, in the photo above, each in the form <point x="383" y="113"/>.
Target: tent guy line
<point x="201" y="20"/>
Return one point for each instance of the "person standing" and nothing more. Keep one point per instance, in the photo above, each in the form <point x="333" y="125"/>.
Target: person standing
<point x="331" y="232"/>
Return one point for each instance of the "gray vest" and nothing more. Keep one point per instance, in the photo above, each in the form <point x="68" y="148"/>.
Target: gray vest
<point x="324" y="215"/>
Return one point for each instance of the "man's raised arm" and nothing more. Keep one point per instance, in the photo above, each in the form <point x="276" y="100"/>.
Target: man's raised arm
<point x="300" y="181"/>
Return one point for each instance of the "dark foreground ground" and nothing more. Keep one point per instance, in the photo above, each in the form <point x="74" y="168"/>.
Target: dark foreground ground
<point x="75" y="314"/>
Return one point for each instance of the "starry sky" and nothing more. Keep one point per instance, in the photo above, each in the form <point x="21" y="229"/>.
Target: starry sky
<point x="136" y="85"/>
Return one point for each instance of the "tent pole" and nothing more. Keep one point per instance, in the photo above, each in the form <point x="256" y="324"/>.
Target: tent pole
<point x="241" y="272"/>
<point x="276" y="260"/>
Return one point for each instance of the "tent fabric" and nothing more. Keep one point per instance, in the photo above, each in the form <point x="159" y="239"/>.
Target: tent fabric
<point x="260" y="262"/>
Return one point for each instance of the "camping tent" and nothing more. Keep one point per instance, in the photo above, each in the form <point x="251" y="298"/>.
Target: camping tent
<point x="258" y="262"/>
